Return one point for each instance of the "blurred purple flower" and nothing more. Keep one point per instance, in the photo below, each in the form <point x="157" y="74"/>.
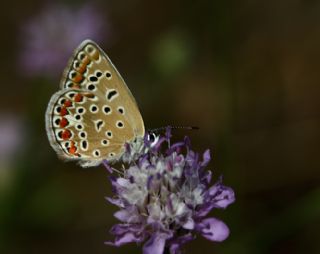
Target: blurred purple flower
<point x="49" y="38"/>
<point x="11" y="137"/>
<point x="165" y="196"/>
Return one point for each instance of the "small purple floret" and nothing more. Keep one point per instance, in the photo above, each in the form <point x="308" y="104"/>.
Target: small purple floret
<point x="167" y="203"/>
<point x="48" y="37"/>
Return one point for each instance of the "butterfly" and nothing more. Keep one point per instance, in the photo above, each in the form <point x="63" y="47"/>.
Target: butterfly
<point x="94" y="114"/>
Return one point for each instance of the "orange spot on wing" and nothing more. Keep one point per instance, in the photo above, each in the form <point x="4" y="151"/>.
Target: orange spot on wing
<point x="86" y="60"/>
<point x="72" y="149"/>
<point x="82" y="68"/>
<point x="78" y="98"/>
<point x="67" y="103"/>
<point x="63" y="122"/>
<point x="66" y="134"/>
<point x="78" y="78"/>
<point x="63" y="111"/>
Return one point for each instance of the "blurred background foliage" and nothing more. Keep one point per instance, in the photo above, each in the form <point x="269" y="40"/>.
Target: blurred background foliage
<point x="245" y="72"/>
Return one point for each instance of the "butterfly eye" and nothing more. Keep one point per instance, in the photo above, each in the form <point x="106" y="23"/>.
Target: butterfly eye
<point x="153" y="139"/>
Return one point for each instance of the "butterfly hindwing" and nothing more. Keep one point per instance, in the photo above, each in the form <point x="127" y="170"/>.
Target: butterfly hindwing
<point x="80" y="130"/>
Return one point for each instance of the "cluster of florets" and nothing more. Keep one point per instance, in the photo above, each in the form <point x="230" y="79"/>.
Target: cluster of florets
<point x="165" y="197"/>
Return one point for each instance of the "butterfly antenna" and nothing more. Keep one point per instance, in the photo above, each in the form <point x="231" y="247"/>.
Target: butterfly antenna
<point x="174" y="127"/>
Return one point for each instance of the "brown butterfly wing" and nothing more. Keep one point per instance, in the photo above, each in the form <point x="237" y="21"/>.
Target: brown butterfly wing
<point x="94" y="114"/>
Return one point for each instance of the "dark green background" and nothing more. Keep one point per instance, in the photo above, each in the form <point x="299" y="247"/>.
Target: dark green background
<point x="245" y="72"/>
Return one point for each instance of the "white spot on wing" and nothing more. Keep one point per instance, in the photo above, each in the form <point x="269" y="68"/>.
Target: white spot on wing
<point x="98" y="124"/>
<point x="108" y="134"/>
<point x="121" y="110"/>
<point x="94" y="109"/>
<point x="111" y="94"/>
<point x="120" y="124"/>
<point x="105" y="142"/>
<point x="82" y="134"/>
<point x="84" y="145"/>
<point x="81" y="110"/>
<point x="96" y="153"/>
<point x="107" y="110"/>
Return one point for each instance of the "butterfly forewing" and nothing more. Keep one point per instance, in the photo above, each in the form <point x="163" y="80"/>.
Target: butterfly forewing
<point x="94" y="114"/>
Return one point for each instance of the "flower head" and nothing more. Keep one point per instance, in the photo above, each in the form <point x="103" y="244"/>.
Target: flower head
<point x="50" y="36"/>
<point x="165" y="196"/>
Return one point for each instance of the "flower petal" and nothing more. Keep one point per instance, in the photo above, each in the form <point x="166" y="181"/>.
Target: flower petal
<point x="206" y="177"/>
<point x="126" y="238"/>
<point x="189" y="224"/>
<point x="218" y="196"/>
<point x="156" y="243"/>
<point x="223" y="197"/>
<point x="122" y="215"/>
<point x="206" y="158"/>
<point x="176" y="244"/>
<point x="107" y="166"/>
<point x="213" y="229"/>
<point x="115" y="201"/>
<point x="130" y="215"/>
<point x="126" y="233"/>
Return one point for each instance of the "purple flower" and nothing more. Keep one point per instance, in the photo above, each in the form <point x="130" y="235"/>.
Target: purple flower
<point x="51" y="36"/>
<point x="164" y="197"/>
<point x="11" y="135"/>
